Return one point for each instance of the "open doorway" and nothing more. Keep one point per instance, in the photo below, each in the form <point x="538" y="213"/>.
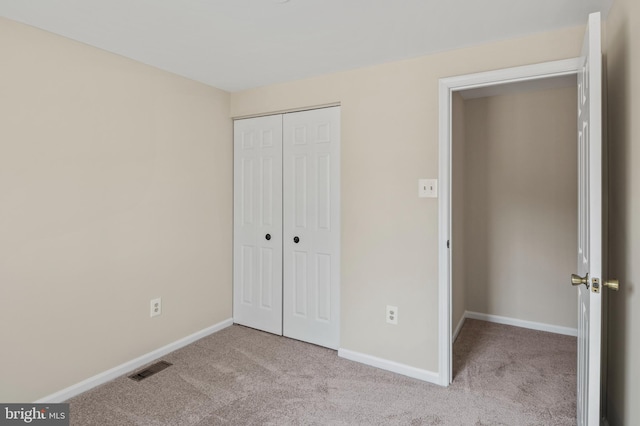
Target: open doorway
<point x="513" y="236"/>
<point x="514" y="240"/>
<point x="505" y="83"/>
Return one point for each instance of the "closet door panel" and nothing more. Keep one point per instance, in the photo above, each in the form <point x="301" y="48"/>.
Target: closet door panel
<point x="257" y="260"/>
<point x="311" y="238"/>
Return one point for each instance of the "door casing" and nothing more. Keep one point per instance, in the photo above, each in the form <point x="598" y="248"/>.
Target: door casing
<point x="447" y="87"/>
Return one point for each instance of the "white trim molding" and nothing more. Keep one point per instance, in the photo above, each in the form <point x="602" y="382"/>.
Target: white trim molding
<point x="446" y="89"/>
<point x="129" y="366"/>
<point x="540" y="326"/>
<point x="385" y="364"/>
<point x="454" y="337"/>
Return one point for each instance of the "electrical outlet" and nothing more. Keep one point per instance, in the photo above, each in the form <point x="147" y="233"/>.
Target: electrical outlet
<point x="392" y="314"/>
<point x="156" y="307"/>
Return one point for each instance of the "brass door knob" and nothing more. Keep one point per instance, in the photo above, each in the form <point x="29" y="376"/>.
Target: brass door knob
<point x="612" y="284"/>
<point x="577" y="280"/>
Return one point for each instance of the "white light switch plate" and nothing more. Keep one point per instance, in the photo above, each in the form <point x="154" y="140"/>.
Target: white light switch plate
<point x="428" y="188"/>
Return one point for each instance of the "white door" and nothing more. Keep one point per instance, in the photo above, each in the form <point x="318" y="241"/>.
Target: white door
<point x="257" y="203"/>
<point x="589" y="226"/>
<point x="287" y="281"/>
<point x="311" y="145"/>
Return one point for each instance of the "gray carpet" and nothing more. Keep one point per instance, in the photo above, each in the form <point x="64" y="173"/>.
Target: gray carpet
<point x="503" y="376"/>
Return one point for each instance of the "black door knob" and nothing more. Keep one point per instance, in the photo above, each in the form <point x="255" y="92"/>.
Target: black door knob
<point x="268" y="237"/>
<point x="296" y="240"/>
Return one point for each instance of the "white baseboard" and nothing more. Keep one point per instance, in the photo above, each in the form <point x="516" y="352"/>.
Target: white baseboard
<point x="458" y="327"/>
<point x="395" y="367"/>
<point x="568" y="331"/>
<point x="129" y="366"/>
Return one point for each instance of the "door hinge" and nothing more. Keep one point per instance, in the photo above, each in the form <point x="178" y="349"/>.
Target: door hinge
<point x="447" y="243"/>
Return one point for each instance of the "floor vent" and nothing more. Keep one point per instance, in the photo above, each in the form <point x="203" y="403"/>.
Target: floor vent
<point x="150" y="370"/>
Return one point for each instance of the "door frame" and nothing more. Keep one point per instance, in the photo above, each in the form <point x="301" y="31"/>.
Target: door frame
<point x="446" y="88"/>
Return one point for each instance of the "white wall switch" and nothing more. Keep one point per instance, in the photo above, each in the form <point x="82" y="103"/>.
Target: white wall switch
<point x="428" y="188"/>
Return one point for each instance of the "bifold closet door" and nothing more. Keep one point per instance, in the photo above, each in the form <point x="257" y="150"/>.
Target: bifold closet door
<point x="286" y="262"/>
<point x="257" y="252"/>
<point x="311" y="196"/>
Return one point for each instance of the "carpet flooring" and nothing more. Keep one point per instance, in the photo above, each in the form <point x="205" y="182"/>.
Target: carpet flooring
<point x="239" y="376"/>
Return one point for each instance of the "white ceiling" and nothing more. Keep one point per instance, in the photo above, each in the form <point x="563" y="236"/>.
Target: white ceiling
<point x="240" y="44"/>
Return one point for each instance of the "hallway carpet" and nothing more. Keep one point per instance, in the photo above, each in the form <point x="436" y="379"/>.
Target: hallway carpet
<point x="239" y="376"/>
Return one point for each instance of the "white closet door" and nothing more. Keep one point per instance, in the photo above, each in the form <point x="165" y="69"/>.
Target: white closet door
<point x="311" y="188"/>
<point x="257" y="201"/>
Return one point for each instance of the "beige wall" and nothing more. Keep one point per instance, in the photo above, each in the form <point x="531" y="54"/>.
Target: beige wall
<point x="389" y="140"/>
<point x="458" y="247"/>
<point x="622" y="62"/>
<point x="520" y="216"/>
<point x="115" y="188"/>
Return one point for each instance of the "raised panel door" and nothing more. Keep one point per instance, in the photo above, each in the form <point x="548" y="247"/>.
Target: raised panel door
<point x="257" y="256"/>
<point x="311" y="232"/>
